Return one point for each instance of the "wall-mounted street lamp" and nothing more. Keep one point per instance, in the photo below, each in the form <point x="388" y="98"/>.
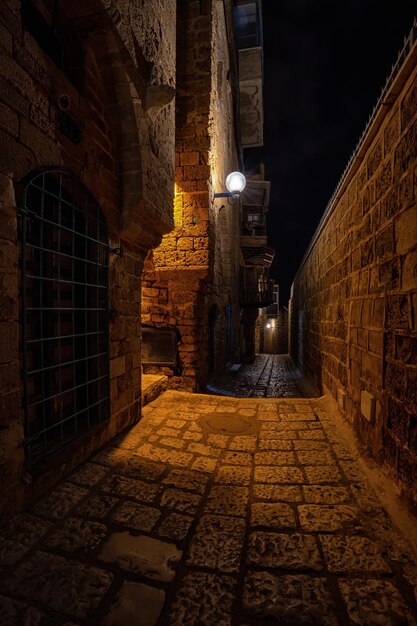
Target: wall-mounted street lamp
<point x="268" y="324"/>
<point x="235" y="183"/>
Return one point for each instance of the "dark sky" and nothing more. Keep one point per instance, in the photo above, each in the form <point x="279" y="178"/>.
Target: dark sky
<point x="325" y="63"/>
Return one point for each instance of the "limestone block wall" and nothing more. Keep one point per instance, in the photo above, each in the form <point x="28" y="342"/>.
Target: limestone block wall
<point x="282" y="332"/>
<point x="224" y="218"/>
<point x="354" y="299"/>
<point x="118" y="140"/>
<point x="191" y="275"/>
<point x="10" y="391"/>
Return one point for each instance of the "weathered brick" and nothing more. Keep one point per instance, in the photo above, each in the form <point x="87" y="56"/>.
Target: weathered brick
<point x="9" y="408"/>
<point x="384" y="242"/>
<point x="398" y="311"/>
<point x="117" y="367"/>
<point x="398" y="420"/>
<point x="185" y="243"/>
<point x="367" y="306"/>
<point x="197" y="257"/>
<point x="406" y="468"/>
<point x="9" y="254"/>
<point x="363" y="338"/>
<point x="414" y="310"/>
<point x="371" y="369"/>
<point x="409" y="271"/>
<point x="375" y="342"/>
<point x="409" y="106"/>
<point x="413" y="434"/>
<point x="406" y="349"/>
<point x="355" y="312"/>
<point x="390" y="204"/>
<point x="367" y="253"/>
<point x="406" y="151"/>
<point x="390" y="274"/>
<point x="196" y="172"/>
<point x="189" y="158"/>
<point x="375" y="158"/>
<point x="9" y="120"/>
<point x="364" y="282"/>
<point x="383" y="180"/>
<point x="9" y="377"/>
<point x="9" y="341"/>
<point x="406" y="230"/>
<point x="392" y="133"/>
<point x="407" y="191"/>
<point x="412" y="391"/>
<point x="389" y="448"/>
<point x="395" y="380"/>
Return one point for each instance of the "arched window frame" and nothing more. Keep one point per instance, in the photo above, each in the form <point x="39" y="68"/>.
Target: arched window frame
<point x="64" y="313"/>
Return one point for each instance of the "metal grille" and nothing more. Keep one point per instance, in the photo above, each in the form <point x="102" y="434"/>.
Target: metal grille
<point x="64" y="313"/>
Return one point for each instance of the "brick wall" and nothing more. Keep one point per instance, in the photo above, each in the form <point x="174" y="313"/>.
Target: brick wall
<point x="124" y="155"/>
<point x="193" y="270"/>
<point x="10" y="425"/>
<point x="354" y="299"/>
<point x="282" y="332"/>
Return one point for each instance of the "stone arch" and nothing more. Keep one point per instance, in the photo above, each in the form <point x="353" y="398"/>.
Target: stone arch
<point x="130" y="100"/>
<point x="125" y="90"/>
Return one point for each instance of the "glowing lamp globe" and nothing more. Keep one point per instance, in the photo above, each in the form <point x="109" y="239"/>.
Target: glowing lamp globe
<point x="235" y="182"/>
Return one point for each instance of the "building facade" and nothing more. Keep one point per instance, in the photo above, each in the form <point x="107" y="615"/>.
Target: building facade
<point x="200" y="293"/>
<point x="353" y="307"/>
<point x="118" y="124"/>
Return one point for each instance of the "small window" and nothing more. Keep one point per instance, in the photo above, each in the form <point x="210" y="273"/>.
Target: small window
<point x="64" y="296"/>
<point x="247" y="25"/>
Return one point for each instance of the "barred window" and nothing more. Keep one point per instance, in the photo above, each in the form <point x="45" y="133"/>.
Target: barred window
<point x="64" y="295"/>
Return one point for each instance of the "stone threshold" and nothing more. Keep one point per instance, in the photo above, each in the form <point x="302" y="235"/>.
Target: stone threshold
<point x="152" y="387"/>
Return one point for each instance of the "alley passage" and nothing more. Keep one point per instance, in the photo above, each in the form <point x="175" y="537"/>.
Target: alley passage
<point x="269" y="376"/>
<point x="216" y="511"/>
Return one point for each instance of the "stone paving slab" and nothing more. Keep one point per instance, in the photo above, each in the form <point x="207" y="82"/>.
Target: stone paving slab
<point x="273" y="525"/>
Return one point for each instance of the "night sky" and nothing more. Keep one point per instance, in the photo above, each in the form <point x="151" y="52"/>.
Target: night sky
<point x="325" y="63"/>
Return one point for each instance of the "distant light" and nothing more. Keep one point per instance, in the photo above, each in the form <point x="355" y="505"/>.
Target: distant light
<point x="235" y="182"/>
<point x="268" y="325"/>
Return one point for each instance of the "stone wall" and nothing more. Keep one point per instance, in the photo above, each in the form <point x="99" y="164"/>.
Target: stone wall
<point x="10" y="391"/>
<point x="108" y="122"/>
<point x="282" y="332"/>
<point x="354" y="299"/>
<point x="191" y="276"/>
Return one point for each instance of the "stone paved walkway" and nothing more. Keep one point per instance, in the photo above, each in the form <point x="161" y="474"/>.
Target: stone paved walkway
<point x="269" y="376"/>
<point x="212" y="511"/>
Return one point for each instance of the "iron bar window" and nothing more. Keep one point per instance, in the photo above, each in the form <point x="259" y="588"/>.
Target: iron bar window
<point x="64" y="288"/>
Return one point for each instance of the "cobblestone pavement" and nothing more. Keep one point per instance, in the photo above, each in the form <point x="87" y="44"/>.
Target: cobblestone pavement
<point x="269" y="376"/>
<point x="212" y="511"/>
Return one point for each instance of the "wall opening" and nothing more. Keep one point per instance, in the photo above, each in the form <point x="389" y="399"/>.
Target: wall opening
<point x="64" y="323"/>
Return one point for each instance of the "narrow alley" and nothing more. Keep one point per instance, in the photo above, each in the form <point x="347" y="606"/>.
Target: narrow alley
<point x="218" y="511"/>
<point x="191" y="432"/>
<point x="269" y="376"/>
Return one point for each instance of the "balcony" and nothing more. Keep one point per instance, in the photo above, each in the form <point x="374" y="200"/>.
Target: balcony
<point x="257" y="290"/>
<point x="253" y="222"/>
<point x="253" y="238"/>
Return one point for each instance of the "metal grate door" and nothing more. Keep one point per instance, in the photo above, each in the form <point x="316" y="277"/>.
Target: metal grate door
<point x="64" y="294"/>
